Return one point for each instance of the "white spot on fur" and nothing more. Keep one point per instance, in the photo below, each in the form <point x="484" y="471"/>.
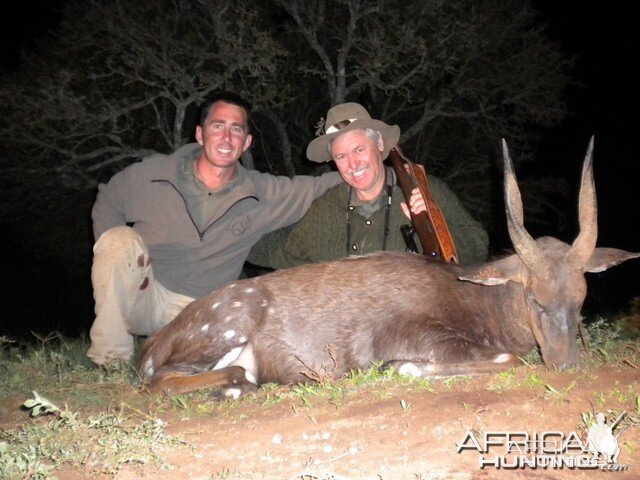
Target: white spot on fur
<point x="205" y="327"/>
<point x="409" y="369"/>
<point x="264" y="303"/>
<point x="271" y="310"/>
<point x="228" y="318"/>
<point x="232" y="285"/>
<point x="234" y="393"/>
<point x="229" y="334"/>
<point x="231" y="356"/>
<point x="215" y="305"/>
<point x="249" y="290"/>
<point x="250" y="377"/>
<point x="237" y="304"/>
<point x="242" y="339"/>
<point x="502" y="358"/>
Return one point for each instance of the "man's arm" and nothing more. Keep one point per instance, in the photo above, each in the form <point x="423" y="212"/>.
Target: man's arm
<point x="290" y="198"/>
<point x="108" y="210"/>
<point x="270" y="251"/>
<point x="303" y="242"/>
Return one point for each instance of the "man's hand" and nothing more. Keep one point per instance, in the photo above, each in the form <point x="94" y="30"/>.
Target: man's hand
<point x="417" y="203"/>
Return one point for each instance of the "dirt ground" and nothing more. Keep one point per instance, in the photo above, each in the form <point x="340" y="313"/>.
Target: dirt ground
<point x="404" y="432"/>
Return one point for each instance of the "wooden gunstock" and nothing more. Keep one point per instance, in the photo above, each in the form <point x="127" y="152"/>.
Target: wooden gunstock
<point x="430" y="226"/>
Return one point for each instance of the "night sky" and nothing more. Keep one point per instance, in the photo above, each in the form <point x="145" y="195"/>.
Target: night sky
<point x="604" y="37"/>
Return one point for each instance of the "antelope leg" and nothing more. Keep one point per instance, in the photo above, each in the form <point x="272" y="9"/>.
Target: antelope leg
<point x="426" y="369"/>
<point x="176" y="382"/>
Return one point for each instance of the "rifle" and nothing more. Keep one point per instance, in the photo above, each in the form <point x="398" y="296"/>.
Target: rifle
<point x="430" y="226"/>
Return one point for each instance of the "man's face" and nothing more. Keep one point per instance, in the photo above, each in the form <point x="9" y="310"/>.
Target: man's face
<point x="224" y="135"/>
<point x="359" y="161"/>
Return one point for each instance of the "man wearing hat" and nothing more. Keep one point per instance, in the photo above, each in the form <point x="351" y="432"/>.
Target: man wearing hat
<point x="364" y="213"/>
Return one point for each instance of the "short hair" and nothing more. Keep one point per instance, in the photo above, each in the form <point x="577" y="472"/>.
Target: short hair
<point x="374" y="135"/>
<point x="226" y="97"/>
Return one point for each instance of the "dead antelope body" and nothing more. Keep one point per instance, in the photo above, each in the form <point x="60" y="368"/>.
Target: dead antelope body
<point x="421" y="316"/>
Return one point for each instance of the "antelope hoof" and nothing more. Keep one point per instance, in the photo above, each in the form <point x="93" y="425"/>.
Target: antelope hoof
<point x="406" y="367"/>
<point x="233" y="392"/>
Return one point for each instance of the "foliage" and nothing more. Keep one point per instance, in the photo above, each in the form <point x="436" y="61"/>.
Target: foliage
<point x="107" y="430"/>
<point x="103" y="443"/>
<point x="456" y="76"/>
<point x="120" y="80"/>
<point x="58" y="364"/>
<point x="117" y="81"/>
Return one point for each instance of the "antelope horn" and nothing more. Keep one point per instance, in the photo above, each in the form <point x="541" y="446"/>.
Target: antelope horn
<point x="526" y="247"/>
<point x="585" y="243"/>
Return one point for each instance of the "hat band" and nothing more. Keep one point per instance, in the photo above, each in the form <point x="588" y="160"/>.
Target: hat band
<point x="341" y="124"/>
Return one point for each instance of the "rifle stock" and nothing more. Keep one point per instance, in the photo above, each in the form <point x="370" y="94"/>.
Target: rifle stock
<point x="430" y="225"/>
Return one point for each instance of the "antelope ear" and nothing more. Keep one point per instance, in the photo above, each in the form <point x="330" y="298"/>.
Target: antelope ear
<point x="603" y="258"/>
<point x="498" y="272"/>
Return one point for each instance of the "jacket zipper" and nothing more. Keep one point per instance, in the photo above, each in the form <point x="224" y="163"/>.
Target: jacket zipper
<point x="184" y="201"/>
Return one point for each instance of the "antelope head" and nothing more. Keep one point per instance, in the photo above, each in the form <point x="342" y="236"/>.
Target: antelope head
<point x="551" y="272"/>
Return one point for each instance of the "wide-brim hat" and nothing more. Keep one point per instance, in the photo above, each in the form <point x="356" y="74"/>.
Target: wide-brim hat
<point x="345" y="117"/>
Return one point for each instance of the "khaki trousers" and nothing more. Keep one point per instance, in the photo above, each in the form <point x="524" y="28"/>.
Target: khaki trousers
<point x="128" y="300"/>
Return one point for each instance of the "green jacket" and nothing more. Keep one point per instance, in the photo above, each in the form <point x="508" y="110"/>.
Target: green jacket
<point x="194" y="252"/>
<point x="322" y="234"/>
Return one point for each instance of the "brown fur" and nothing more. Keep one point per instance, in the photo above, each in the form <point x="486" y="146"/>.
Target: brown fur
<point x="418" y="315"/>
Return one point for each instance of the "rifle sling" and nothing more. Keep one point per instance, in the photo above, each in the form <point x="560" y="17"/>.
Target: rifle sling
<point x="431" y="227"/>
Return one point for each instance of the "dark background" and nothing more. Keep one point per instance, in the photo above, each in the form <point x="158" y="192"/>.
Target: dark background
<point x="604" y="36"/>
<point x="44" y="296"/>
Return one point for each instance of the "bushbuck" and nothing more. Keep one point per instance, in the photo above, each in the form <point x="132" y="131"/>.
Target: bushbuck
<point x="421" y="316"/>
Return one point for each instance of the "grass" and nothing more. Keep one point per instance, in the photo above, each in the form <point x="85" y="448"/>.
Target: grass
<point x="55" y="372"/>
<point x="95" y="419"/>
<point x="102" y="443"/>
<point x="58" y="366"/>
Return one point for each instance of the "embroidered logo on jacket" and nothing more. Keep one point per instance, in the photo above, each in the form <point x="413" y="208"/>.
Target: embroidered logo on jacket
<point x="239" y="225"/>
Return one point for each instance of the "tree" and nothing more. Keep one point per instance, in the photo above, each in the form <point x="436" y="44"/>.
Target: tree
<point x="456" y="76"/>
<point x="119" y="80"/>
<point x="122" y="79"/>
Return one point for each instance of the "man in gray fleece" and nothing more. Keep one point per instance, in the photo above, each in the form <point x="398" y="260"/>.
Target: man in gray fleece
<point x="171" y="228"/>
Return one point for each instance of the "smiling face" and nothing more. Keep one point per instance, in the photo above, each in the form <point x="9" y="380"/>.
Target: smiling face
<point x="224" y="135"/>
<point x="359" y="161"/>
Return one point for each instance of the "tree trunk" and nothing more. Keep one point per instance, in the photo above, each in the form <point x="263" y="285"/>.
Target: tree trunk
<point x="285" y="144"/>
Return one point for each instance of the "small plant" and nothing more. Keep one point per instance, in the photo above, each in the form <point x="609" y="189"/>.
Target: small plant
<point x="588" y="420"/>
<point x="559" y="394"/>
<point x="618" y="395"/>
<point x="629" y="446"/>
<point x="600" y="397"/>
<point x="181" y="402"/>
<point x="40" y="406"/>
<point x="227" y="474"/>
<point x="450" y="382"/>
<point x="104" y="442"/>
<point x="504" y="380"/>
<point x="534" y="380"/>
